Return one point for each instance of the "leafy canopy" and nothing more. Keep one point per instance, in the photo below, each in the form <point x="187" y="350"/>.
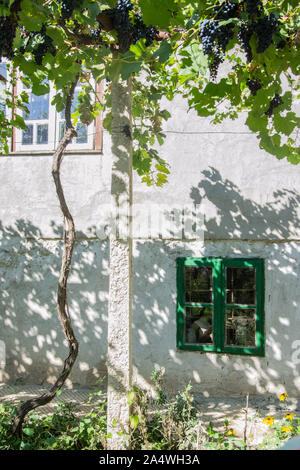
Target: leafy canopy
<point x="224" y="57"/>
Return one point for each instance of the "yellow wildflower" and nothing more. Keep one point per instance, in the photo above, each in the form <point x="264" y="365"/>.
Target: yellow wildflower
<point x="290" y="416"/>
<point x="286" y="429"/>
<point x="269" y="420"/>
<point x="231" y="432"/>
<point x="283" y="397"/>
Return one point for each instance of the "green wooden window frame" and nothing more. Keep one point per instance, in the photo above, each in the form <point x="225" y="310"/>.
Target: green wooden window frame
<point x="219" y="304"/>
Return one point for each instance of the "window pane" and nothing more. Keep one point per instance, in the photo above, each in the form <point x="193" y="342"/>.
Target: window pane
<point x="82" y="134"/>
<point x="27" y="135"/>
<point x="42" y="134"/>
<point x="82" y="129"/>
<point x="240" y="286"/>
<point x="74" y="104"/>
<point x="198" y="284"/>
<point x="198" y="325"/>
<point x="61" y="129"/>
<point x="3" y="72"/>
<point x="38" y="107"/>
<point x="240" y="327"/>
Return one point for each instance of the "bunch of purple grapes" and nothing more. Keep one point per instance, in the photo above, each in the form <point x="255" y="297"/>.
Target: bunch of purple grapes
<point x="254" y="85"/>
<point x="67" y="8"/>
<point x="215" y="36"/>
<point x="141" y="31"/>
<point x="129" y="32"/>
<point x="121" y="22"/>
<point x="274" y="103"/>
<point x="264" y="26"/>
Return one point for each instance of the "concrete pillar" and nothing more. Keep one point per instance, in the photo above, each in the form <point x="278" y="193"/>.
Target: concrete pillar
<point x="120" y="286"/>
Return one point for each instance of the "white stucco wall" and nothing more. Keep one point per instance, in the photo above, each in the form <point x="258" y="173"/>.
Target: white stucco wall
<point x="250" y="202"/>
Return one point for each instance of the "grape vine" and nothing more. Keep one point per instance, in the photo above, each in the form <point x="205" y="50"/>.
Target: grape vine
<point x="128" y="25"/>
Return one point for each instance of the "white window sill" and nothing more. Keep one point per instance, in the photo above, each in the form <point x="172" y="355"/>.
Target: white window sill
<point x="34" y="153"/>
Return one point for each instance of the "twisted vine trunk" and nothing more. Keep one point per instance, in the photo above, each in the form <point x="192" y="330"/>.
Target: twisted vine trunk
<point x="62" y="306"/>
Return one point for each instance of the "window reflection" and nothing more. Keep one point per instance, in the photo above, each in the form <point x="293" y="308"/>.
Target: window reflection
<point x="42" y="134"/>
<point x="198" y="284"/>
<point x="240" y="286"/>
<point x="82" y="129"/>
<point x="74" y="104"/>
<point x="27" y="135"/>
<point x="38" y="108"/>
<point x="240" y="327"/>
<point x="82" y="134"/>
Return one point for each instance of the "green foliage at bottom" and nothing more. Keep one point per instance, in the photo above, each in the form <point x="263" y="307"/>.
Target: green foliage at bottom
<point x="62" y="430"/>
<point x="159" y="422"/>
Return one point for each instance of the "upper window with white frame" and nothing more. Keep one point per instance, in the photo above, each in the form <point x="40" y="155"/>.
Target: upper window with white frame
<point x="45" y="126"/>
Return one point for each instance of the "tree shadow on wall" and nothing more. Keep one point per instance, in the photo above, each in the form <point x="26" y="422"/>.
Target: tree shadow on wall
<point x="238" y="217"/>
<point x="240" y="227"/>
<point x="29" y="324"/>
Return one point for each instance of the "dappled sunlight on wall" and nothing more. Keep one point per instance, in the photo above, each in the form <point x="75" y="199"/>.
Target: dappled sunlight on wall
<point x="29" y="324"/>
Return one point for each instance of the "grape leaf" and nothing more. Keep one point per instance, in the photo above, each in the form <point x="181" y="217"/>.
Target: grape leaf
<point x="157" y="12"/>
<point x="285" y="124"/>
